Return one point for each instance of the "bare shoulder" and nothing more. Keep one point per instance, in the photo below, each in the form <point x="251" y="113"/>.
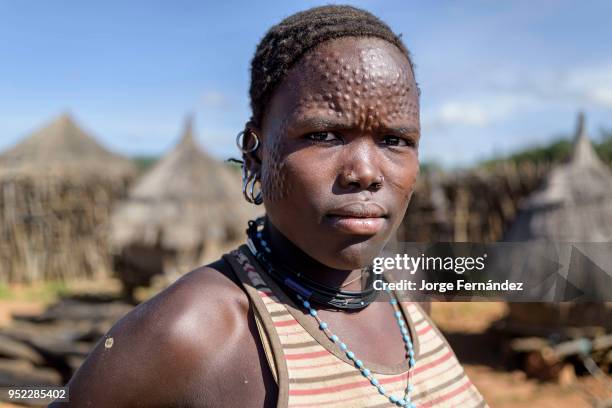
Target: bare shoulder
<point x="165" y="351"/>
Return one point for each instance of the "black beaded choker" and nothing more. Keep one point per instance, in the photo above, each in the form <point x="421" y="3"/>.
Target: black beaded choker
<point x="301" y="285"/>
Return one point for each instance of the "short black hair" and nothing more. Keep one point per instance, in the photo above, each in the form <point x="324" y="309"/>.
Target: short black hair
<point x="285" y="43"/>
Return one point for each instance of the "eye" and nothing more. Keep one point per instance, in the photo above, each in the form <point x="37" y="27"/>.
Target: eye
<point x="322" y="137"/>
<point x="391" y="140"/>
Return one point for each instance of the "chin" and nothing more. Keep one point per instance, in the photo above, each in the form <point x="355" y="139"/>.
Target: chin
<point x="355" y="253"/>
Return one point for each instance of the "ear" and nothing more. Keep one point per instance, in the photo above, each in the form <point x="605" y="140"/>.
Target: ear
<point x="252" y="135"/>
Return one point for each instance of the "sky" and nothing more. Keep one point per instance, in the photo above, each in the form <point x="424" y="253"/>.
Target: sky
<point x="495" y="76"/>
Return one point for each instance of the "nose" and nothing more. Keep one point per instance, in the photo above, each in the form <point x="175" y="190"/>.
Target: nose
<point x="361" y="166"/>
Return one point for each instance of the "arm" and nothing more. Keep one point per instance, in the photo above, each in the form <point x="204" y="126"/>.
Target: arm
<point x="166" y="351"/>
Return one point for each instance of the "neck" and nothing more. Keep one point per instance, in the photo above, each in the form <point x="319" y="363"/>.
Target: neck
<point x="301" y="262"/>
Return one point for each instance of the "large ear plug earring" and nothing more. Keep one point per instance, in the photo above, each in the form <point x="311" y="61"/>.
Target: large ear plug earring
<point x="239" y="142"/>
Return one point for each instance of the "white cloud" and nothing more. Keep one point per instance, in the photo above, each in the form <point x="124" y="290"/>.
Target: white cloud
<point x="476" y="111"/>
<point x="581" y="87"/>
<point x="469" y="113"/>
<point x="214" y="99"/>
<point x="592" y="84"/>
<point x="602" y="96"/>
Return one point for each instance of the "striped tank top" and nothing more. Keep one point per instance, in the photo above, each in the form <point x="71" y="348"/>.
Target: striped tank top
<point x="311" y="371"/>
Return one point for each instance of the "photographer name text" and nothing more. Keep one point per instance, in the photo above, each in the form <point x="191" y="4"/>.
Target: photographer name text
<point x="442" y="287"/>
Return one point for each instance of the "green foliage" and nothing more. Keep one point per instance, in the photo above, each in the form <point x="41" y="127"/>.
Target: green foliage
<point x="429" y="167"/>
<point x="52" y="290"/>
<point x="143" y="163"/>
<point x="554" y="152"/>
<point x="5" y="292"/>
<point x="604" y="148"/>
<point x="45" y="292"/>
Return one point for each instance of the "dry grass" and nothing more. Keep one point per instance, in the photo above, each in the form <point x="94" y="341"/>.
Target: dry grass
<point x="53" y="228"/>
<point x="465" y="326"/>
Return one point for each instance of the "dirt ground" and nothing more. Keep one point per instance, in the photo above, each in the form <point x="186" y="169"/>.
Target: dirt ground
<point x="8" y="307"/>
<point x="465" y="327"/>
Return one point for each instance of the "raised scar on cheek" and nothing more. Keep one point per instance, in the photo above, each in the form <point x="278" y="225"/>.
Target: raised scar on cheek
<point x="274" y="181"/>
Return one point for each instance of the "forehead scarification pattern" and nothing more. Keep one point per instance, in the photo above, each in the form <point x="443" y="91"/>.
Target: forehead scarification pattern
<point x="365" y="92"/>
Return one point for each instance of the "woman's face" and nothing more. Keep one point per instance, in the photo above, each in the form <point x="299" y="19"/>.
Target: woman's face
<point x="340" y="150"/>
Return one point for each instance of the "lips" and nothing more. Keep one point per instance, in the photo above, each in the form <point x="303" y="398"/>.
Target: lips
<point x="360" y="218"/>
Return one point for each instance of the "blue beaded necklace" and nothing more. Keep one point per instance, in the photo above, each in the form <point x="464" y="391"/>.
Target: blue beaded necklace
<point x="406" y="401"/>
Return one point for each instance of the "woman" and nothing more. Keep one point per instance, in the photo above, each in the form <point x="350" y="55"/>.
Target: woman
<point x="283" y="321"/>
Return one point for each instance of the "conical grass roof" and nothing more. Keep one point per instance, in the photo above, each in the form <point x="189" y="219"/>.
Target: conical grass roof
<point x="187" y="172"/>
<point x="63" y="147"/>
<point x="575" y="202"/>
<point x="186" y="199"/>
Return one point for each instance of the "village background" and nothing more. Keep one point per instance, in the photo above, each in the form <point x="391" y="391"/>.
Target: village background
<point x="115" y="122"/>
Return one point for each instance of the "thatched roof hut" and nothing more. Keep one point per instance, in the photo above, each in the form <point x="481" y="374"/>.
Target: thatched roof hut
<point x="56" y="190"/>
<point x="179" y="213"/>
<point x="574" y="205"/>
<point x="63" y="148"/>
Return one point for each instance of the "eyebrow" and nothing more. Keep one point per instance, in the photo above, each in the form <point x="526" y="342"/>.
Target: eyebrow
<point x="339" y="124"/>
